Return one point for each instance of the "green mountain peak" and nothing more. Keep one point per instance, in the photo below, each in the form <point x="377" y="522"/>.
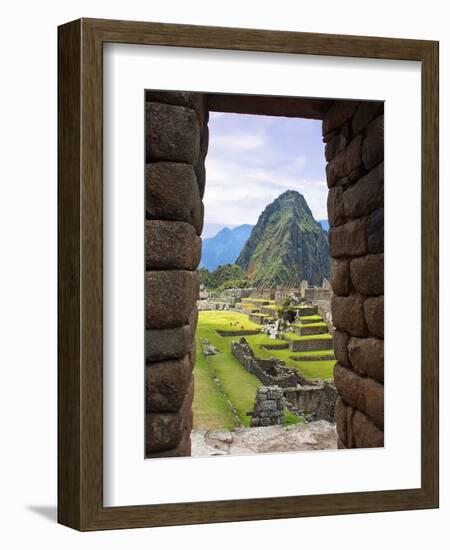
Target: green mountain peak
<point x="287" y="245"/>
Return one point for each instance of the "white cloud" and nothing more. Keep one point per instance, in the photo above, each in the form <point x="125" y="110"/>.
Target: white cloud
<point x="249" y="164"/>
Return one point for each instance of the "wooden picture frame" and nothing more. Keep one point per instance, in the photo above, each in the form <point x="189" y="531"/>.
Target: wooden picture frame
<point x="80" y="272"/>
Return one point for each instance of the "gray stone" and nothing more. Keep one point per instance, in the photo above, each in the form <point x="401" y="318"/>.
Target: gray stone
<point x="367" y="357"/>
<point x="340" y="277"/>
<point x="337" y="114"/>
<point x="366" y="111"/>
<point x="335" y="206"/>
<point x="375" y="231"/>
<point x="367" y="273"/>
<point x="171" y="193"/>
<point x="349" y="239"/>
<point x="348" y="314"/>
<point x="172" y="133"/>
<point x="364" y="394"/>
<point x="169" y="297"/>
<point x="366" y="195"/>
<point x="344" y="162"/>
<point x="373" y="144"/>
<point x="166" y="383"/>
<point x="334" y="146"/>
<point x="340" y="343"/>
<point x="374" y="314"/>
<point x="365" y="433"/>
<point x="165" y="431"/>
<point x="170" y="343"/>
<point x="171" y="245"/>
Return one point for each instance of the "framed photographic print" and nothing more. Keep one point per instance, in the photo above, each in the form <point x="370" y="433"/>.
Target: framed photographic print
<point x="234" y="207"/>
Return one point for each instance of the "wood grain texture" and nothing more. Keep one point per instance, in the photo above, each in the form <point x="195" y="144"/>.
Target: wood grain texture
<point x="69" y="245"/>
<point x="80" y="404"/>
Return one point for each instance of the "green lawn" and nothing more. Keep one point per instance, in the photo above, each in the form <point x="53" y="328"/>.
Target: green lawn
<point x="310" y="369"/>
<point x="211" y="409"/>
<point x="238" y="384"/>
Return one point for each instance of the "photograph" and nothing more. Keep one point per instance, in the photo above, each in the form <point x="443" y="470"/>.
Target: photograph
<point x="264" y="274"/>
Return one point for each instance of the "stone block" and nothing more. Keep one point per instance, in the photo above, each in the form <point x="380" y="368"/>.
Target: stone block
<point x="373" y="144"/>
<point x="171" y="193"/>
<point x="194" y="100"/>
<point x="364" y="394"/>
<point x="340" y="343"/>
<point x="172" y="133"/>
<point x="334" y="146"/>
<point x="337" y="114"/>
<point x="365" y="113"/>
<point x="340" y="277"/>
<point x="164" y="431"/>
<point x="335" y="206"/>
<point x="344" y="162"/>
<point x="375" y="231"/>
<point x="171" y="245"/>
<point x="341" y="419"/>
<point x="182" y="449"/>
<point x="169" y="343"/>
<point x="341" y="444"/>
<point x="366" y="195"/>
<point x="365" y="433"/>
<point x="349" y="239"/>
<point x="374" y="314"/>
<point x="200" y="173"/>
<point x="348" y="314"/>
<point x="367" y="274"/>
<point x="367" y="357"/>
<point x="169" y="297"/>
<point x="163" y="344"/>
<point x="166" y="383"/>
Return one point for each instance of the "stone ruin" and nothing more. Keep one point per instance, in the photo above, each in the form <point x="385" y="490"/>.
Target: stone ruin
<point x="315" y="398"/>
<point x="269" y="407"/>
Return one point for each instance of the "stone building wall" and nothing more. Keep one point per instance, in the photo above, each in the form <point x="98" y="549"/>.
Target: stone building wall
<point x="269" y="408"/>
<point x="176" y="142"/>
<point x="354" y="135"/>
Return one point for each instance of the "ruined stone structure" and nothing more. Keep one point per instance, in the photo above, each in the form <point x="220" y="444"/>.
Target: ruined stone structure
<point x="269" y="408"/>
<point x="301" y="395"/>
<point x="271" y="372"/>
<point x="176" y="146"/>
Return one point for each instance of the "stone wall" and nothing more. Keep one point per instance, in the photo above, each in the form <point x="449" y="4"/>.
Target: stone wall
<point x="318" y="399"/>
<point x="354" y="135"/>
<point x="269" y="408"/>
<point x="270" y="372"/>
<point x="176" y="141"/>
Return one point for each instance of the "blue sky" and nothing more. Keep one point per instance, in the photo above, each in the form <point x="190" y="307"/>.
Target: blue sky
<point x="252" y="159"/>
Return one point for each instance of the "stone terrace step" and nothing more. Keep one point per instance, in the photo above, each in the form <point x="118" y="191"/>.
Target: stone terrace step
<point x="311" y="319"/>
<point x="311" y="344"/>
<point x="281" y="345"/>
<point x="306" y="310"/>
<point x="306" y="330"/>
<point x="258" y="318"/>
<point x="318" y="357"/>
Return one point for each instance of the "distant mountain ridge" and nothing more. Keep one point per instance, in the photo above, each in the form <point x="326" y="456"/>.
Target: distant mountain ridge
<point x="287" y="245"/>
<point x="225" y="246"/>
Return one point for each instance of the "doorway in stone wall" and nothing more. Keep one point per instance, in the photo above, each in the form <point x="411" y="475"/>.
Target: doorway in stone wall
<point x="271" y="345"/>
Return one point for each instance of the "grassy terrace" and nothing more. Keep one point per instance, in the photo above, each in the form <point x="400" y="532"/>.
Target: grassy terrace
<point x="311" y="318"/>
<point x="318" y="324"/>
<point x="211" y="407"/>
